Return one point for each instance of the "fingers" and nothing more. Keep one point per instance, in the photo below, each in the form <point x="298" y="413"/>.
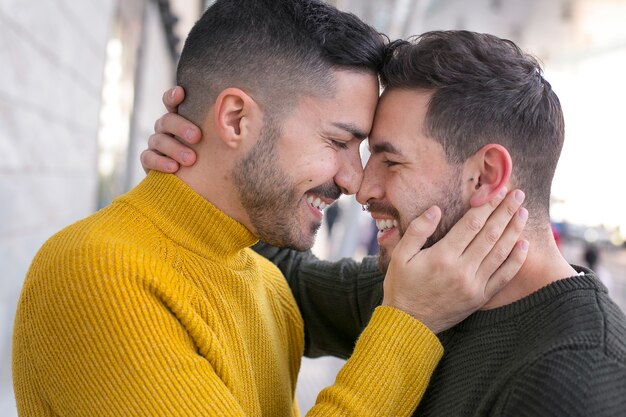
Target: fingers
<point x="172" y="98"/>
<point x="495" y="226"/>
<point x="501" y="251"/>
<point x="176" y="125"/>
<point x="416" y="234"/>
<point x="507" y="270"/>
<point x="168" y="146"/>
<point x="463" y="233"/>
<point x="151" y="160"/>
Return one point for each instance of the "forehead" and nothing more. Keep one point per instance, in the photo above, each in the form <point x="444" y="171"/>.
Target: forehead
<point x="400" y="117"/>
<point x="351" y="106"/>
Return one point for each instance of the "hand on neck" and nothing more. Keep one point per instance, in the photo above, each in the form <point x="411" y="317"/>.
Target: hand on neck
<point x="544" y="264"/>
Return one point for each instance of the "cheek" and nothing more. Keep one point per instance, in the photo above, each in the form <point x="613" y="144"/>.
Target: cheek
<point x="316" y="168"/>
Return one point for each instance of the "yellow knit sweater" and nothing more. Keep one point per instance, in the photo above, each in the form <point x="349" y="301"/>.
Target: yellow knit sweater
<point x="155" y="306"/>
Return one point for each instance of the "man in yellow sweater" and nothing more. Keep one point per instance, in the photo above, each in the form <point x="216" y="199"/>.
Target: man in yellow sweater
<point x="156" y="306"/>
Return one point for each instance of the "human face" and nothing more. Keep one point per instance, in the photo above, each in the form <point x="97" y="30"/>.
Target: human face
<point x="297" y="169"/>
<point x="407" y="172"/>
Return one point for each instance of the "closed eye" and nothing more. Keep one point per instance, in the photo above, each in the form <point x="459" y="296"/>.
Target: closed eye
<point x="389" y="163"/>
<point x="338" y="144"/>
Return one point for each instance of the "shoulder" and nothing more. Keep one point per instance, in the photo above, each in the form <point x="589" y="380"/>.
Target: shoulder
<point x="568" y="380"/>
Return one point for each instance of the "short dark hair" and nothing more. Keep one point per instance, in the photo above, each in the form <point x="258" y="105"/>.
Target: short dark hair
<point x="485" y="90"/>
<point x="275" y="50"/>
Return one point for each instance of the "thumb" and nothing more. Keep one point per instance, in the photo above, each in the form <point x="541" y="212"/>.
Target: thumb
<point x="416" y="234"/>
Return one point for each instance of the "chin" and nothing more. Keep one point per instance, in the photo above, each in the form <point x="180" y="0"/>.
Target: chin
<point x="298" y="239"/>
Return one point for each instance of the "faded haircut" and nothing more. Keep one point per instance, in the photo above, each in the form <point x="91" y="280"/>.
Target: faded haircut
<point x="485" y="90"/>
<point x="275" y="50"/>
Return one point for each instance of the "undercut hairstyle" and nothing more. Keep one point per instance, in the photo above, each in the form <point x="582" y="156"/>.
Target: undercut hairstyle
<point x="275" y="50"/>
<point x="484" y="90"/>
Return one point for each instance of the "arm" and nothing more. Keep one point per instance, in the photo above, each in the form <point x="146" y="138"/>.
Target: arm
<point x="336" y="299"/>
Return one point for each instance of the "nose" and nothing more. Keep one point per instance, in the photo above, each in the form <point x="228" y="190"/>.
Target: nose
<point x="371" y="185"/>
<point x="350" y="173"/>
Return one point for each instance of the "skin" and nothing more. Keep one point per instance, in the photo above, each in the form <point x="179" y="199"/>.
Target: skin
<point x="408" y="172"/>
<point x="439" y="285"/>
<point x="279" y="173"/>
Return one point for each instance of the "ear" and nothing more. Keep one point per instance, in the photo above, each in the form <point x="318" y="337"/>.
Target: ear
<point x="236" y="114"/>
<point x="489" y="170"/>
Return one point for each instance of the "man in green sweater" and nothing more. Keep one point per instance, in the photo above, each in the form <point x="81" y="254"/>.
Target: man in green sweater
<point x="462" y="116"/>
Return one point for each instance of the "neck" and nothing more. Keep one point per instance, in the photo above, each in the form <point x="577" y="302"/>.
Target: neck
<point x="544" y="265"/>
<point x="210" y="177"/>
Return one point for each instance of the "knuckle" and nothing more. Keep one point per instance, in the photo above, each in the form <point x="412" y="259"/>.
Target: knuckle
<point x="511" y="209"/>
<point x="474" y="224"/>
<point x="442" y="264"/>
<point x="500" y="255"/>
<point x="492" y="236"/>
<point x="468" y="293"/>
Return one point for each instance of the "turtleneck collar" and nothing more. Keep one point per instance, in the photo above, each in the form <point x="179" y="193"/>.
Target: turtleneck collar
<point x="188" y="219"/>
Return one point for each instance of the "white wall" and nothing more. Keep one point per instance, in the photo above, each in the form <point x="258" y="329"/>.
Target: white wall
<point x="52" y="59"/>
<point x="52" y="56"/>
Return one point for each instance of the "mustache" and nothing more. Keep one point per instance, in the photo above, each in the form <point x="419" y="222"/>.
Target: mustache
<point x="328" y="190"/>
<point x="374" y="206"/>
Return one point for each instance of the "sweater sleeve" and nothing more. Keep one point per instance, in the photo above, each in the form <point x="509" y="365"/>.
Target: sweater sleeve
<point x="388" y="372"/>
<point x="336" y="299"/>
<point x="566" y="382"/>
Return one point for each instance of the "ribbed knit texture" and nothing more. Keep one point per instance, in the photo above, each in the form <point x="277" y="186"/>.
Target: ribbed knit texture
<point x="155" y="306"/>
<point x="558" y="352"/>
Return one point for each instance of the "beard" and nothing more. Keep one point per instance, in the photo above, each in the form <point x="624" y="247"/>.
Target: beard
<point x="452" y="209"/>
<point x="270" y="197"/>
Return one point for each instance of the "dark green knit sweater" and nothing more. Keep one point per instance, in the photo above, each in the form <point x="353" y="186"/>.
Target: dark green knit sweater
<point x="558" y="352"/>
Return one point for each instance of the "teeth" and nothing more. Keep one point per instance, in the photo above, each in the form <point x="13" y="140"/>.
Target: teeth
<point x="386" y="224"/>
<point x="316" y="202"/>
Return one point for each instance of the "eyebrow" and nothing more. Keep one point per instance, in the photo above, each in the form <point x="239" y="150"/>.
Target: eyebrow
<point x="386" y="147"/>
<point x="352" y="129"/>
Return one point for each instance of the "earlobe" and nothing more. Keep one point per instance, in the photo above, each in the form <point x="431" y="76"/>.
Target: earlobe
<point x="493" y="166"/>
<point x="233" y="109"/>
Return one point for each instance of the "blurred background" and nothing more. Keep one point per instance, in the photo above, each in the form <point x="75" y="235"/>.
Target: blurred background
<point x="82" y="84"/>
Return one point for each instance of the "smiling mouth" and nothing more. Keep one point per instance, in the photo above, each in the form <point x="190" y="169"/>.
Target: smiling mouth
<point x="316" y="202"/>
<point x="386" y="224"/>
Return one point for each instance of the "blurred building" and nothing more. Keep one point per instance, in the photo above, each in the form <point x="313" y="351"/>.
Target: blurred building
<point x="81" y="88"/>
<point x="81" y="85"/>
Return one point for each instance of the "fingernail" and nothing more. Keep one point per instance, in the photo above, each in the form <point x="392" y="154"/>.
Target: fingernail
<point x="524" y="245"/>
<point x="189" y="133"/>
<point x="430" y="213"/>
<point x="522" y="213"/>
<point x="185" y="156"/>
<point x="519" y="196"/>
<point x="171" y="167"/>
<point x="502" y="192"/>
<point x="172" y="92"/>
